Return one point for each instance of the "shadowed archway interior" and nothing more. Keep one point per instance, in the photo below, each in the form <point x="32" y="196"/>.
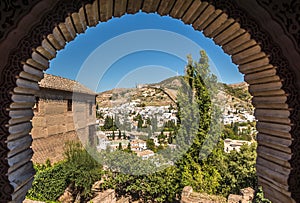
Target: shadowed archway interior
<point x="42" y="28"/>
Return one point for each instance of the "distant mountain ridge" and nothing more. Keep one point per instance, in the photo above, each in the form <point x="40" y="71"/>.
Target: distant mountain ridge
<point x="150" y="94"/>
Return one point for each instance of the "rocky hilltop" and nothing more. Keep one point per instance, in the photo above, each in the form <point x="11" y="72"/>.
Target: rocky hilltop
<point x="164" y="93"/>
<point x="156" y="94"/>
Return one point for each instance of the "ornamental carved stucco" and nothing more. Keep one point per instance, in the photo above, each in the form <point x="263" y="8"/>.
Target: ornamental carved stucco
<point x="285" y="13"/>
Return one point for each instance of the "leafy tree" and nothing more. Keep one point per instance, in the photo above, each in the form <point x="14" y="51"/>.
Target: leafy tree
<point x="80" y="165"/>
<point x="148" y="121"/>
<point x="128" y="149"/>
<point x="169" y="125"/>
<point x="229" y="133"/>
<point x="161" y="137"/>
<point x="140" y="124"/>
<point x="192" y="167"/>
<point x="195" y="78"/>
<point x="79" y="170"/>
<point x="48" y="163"/>
<point x="113" y="135"/>
<point x="150" y="144"/>
<point x="154" y="122"/>
<point x="120" y="146"/>
<point x="170" y="138"/>
<point x="119" y="135"/>
<point x="242" y="167"/>
<point x="117" y="121"/>
<point x="170" y="108"/>
<point x="139" y="119"/>
<point x="162" y="186"/>
<point x="108" y="123"/>
<point x="235" y="128"/>
<point x="160" y="147"/>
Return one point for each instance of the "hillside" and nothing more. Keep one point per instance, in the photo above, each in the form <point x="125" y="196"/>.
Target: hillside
<point x="238" y="90"/>
<point x="156" y="94"/>
<point x="164" y="92"/>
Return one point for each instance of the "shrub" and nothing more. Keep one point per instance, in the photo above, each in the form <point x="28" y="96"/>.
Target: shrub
<point x="49" y="183"/>
<point x="79" y="169"/>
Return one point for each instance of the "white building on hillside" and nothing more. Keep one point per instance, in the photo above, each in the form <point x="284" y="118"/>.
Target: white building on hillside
<point x="230" y="144"/>
<point x="146" y="154"/>
<point x="138" y="145"/>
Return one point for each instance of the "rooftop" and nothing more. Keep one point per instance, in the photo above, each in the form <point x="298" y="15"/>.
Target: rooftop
<point x="145" y="152"/>
<point x="60" y="83"/>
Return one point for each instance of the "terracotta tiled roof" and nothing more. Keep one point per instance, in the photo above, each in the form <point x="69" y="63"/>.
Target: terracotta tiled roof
<point x="60" y="83"/>
<point x="145" y="152"/>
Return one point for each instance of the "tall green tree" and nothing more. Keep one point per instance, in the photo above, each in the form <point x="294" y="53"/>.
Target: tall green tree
<point x="109" y="123"/>
<point x="203" y="85"/>
<point x="113" y="135"/>
<point x="119" y="135"/>
<point x="154" y="122"/>
<point x="120" y="146"/>
<point x="139" y="119"/>
<point x="150" y="144"/>
<point x="128" y="149"/>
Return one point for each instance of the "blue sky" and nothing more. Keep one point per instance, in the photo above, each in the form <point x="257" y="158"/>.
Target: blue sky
<point x="134" y="49"/>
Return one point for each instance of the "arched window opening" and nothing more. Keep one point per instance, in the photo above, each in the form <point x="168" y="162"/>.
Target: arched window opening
<point x="263" y="64"/>
<point x="140" y="114"/>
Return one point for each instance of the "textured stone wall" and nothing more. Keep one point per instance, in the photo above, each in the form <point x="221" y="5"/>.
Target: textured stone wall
<point x="51" y="147"/>
<point x="108" y="196"/>
<point x="54" y="125"/>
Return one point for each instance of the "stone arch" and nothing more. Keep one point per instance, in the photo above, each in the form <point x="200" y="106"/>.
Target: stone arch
<point x="267" y="69"/>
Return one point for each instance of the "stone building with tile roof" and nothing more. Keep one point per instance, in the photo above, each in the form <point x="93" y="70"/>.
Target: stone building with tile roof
<point x="64" y="111"/>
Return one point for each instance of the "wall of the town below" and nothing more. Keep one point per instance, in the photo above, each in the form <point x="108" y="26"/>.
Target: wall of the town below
<point x="108" y="196"/>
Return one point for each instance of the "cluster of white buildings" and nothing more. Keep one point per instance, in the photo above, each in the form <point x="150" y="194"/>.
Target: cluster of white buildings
<point x="138" y="146"/>
<point x="237" y="114"/>
<point x="234" y="112"/>
<point x="242" y="117"/>
<point x="126" y="113"/>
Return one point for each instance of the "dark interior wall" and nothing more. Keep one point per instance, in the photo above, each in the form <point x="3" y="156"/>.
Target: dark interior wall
<point x="273" y="23"/>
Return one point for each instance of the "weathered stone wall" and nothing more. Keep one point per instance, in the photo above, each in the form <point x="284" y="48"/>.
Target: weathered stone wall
<point x="51" y="147"/>
<point x="108" y="196"/>
<point x="54" y="125"/>
<point x="189" y="196"/>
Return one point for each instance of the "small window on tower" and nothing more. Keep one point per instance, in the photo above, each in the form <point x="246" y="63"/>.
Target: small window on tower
<point x="91" y="108"/>
<point x="69" y="104"/>
<point x="36" y="105"/>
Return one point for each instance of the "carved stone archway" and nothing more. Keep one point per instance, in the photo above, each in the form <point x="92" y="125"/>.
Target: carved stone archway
<point x="261" y="36"/>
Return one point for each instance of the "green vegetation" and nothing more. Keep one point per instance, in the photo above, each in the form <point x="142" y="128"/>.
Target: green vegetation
<point x="259" y="197"/>
<point x="170" y="126"/>
<point x="220" y="174"/>
<point x="232" y="132"/>
<point x="157" y="187"/>
<point x="150" y="144"/>
<point x="206" y="169"/>
<point x="240" y="92"/>
<point x="79" y="170"/>
<point x="109" y="124"/>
